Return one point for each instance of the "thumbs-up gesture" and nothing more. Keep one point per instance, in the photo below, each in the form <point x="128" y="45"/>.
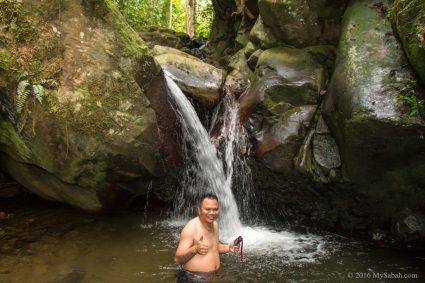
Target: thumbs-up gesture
<point x="201" y="248"/>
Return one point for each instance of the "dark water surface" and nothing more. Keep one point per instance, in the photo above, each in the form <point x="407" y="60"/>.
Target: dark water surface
<point x="45" y="242"/>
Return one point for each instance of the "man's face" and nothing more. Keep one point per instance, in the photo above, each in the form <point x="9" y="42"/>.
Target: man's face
<point x="209" y="211"/>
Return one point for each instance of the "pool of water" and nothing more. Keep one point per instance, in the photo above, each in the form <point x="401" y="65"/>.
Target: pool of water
<point x="52" y="243"/>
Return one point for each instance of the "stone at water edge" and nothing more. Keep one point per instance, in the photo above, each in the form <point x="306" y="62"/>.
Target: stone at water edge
<point x="198" y="79"/>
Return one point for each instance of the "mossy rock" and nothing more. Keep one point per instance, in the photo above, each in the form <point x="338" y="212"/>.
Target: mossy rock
<point x="408" y="20"/>
<point x="83" y="118"/>
<point x="289" y="77"/>
<point x="196" y="78"/>
<point x="375" y="133"/>
<point x="301" y="23"/>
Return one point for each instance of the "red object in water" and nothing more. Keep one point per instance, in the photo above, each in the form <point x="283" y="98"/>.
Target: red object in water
<point x="239" y="242"/>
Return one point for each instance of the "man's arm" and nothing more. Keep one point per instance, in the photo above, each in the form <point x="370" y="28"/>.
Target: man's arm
<point x="186" y="248"/>
<point x="225" y="248"/>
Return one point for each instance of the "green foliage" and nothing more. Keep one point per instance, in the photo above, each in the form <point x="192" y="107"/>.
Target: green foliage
<point x="204" y="18"/>
<point x="140" y="13"/>
<point x="23" y="92"/>
<point x="16" y="21"/>
<point x="408" y="20"/>
<point x="144" y="13"/>
<point x="408" y="95"/>
<point x="38" y="91"/>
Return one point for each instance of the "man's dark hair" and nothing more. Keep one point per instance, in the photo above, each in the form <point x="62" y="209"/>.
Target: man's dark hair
<point x="209" y="196"/>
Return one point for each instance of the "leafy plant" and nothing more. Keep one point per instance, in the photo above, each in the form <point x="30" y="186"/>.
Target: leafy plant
<point x="409" y="96"/>
<point x="24" y="90"/>
<point x="416" y="106"/>
<point x="144" y="13"/>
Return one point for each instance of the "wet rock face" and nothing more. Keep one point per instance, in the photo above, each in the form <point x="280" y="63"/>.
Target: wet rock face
<point x="407" y="18"/>
<point x="302" y="23"/>
<point x="196" y="78"/>
<point x="279" y="106"/>
<point x="287" y="77"/>
<point x="75" y="122"/>
<point x="379" y="142"/>
<point x="279" y="141"/>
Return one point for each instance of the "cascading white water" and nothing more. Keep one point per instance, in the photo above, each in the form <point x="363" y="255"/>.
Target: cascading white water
<point x="205" y="171"/>
<point x="209" y="171"/>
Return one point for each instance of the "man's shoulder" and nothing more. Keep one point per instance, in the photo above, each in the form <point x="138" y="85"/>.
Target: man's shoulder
<point x="191" y="224"/>
<point x="215" y="224"/>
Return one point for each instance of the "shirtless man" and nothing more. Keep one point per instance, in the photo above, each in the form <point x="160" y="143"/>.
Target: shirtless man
<point x="199" y="249"/>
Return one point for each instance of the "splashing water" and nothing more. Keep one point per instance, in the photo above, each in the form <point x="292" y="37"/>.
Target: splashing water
<point x="204" y="171"/>
<point x="210" y="171"/>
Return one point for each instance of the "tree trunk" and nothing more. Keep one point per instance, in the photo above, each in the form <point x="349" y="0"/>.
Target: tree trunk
<point x="223" y="30"/>
<point x="190" y="11"/>
<point x="170" y="21"/>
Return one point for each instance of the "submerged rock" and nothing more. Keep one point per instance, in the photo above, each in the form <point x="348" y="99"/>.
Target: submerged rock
<point x="409" y="227"/>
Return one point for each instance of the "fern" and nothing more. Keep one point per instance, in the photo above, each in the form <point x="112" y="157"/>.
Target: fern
<point x="49" y="83"/>
<point x="23" y="92"/>
<point x="38" y="91"/>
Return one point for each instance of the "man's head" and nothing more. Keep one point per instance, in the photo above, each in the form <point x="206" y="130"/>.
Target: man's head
<point x="208" y="209"/>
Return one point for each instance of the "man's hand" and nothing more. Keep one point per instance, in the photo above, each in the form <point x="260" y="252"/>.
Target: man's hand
<point x="233" y="248"/>
<point x="200" y="247"/>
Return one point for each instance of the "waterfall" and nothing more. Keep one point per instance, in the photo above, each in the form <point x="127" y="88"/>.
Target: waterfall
<point x="205" y="171"/>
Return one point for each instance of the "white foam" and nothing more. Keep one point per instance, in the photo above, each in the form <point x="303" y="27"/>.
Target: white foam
<point x="284" y="246"/>
<point x="291" y="246"/>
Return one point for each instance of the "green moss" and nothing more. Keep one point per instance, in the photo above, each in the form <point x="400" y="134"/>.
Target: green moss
<point x="133" y="45"/>
<point x="8" y="64"/>
<point x="128" y="37"/>
<point x="92" y="173"/>
<point x="93" y="118"/>
<point x="17" y="22"/>
<point x="93" y="114"/>
<point x="11" y="139"/>
<point x="408" y="19"/>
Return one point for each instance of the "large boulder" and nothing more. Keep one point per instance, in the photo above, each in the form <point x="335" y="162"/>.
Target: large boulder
<point x="303" y="22"/>
<point x="238" y="79"/>
<point x="279" y="106"/>
<point x="382" y="146"/>
<point x="76" y="125"/>
<point x="288" y="76"/>
<point x="262" y="35"/>
<point x="408" y="19"/>
<point x="195" y="77"/>
<point x="164" y="37"/>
